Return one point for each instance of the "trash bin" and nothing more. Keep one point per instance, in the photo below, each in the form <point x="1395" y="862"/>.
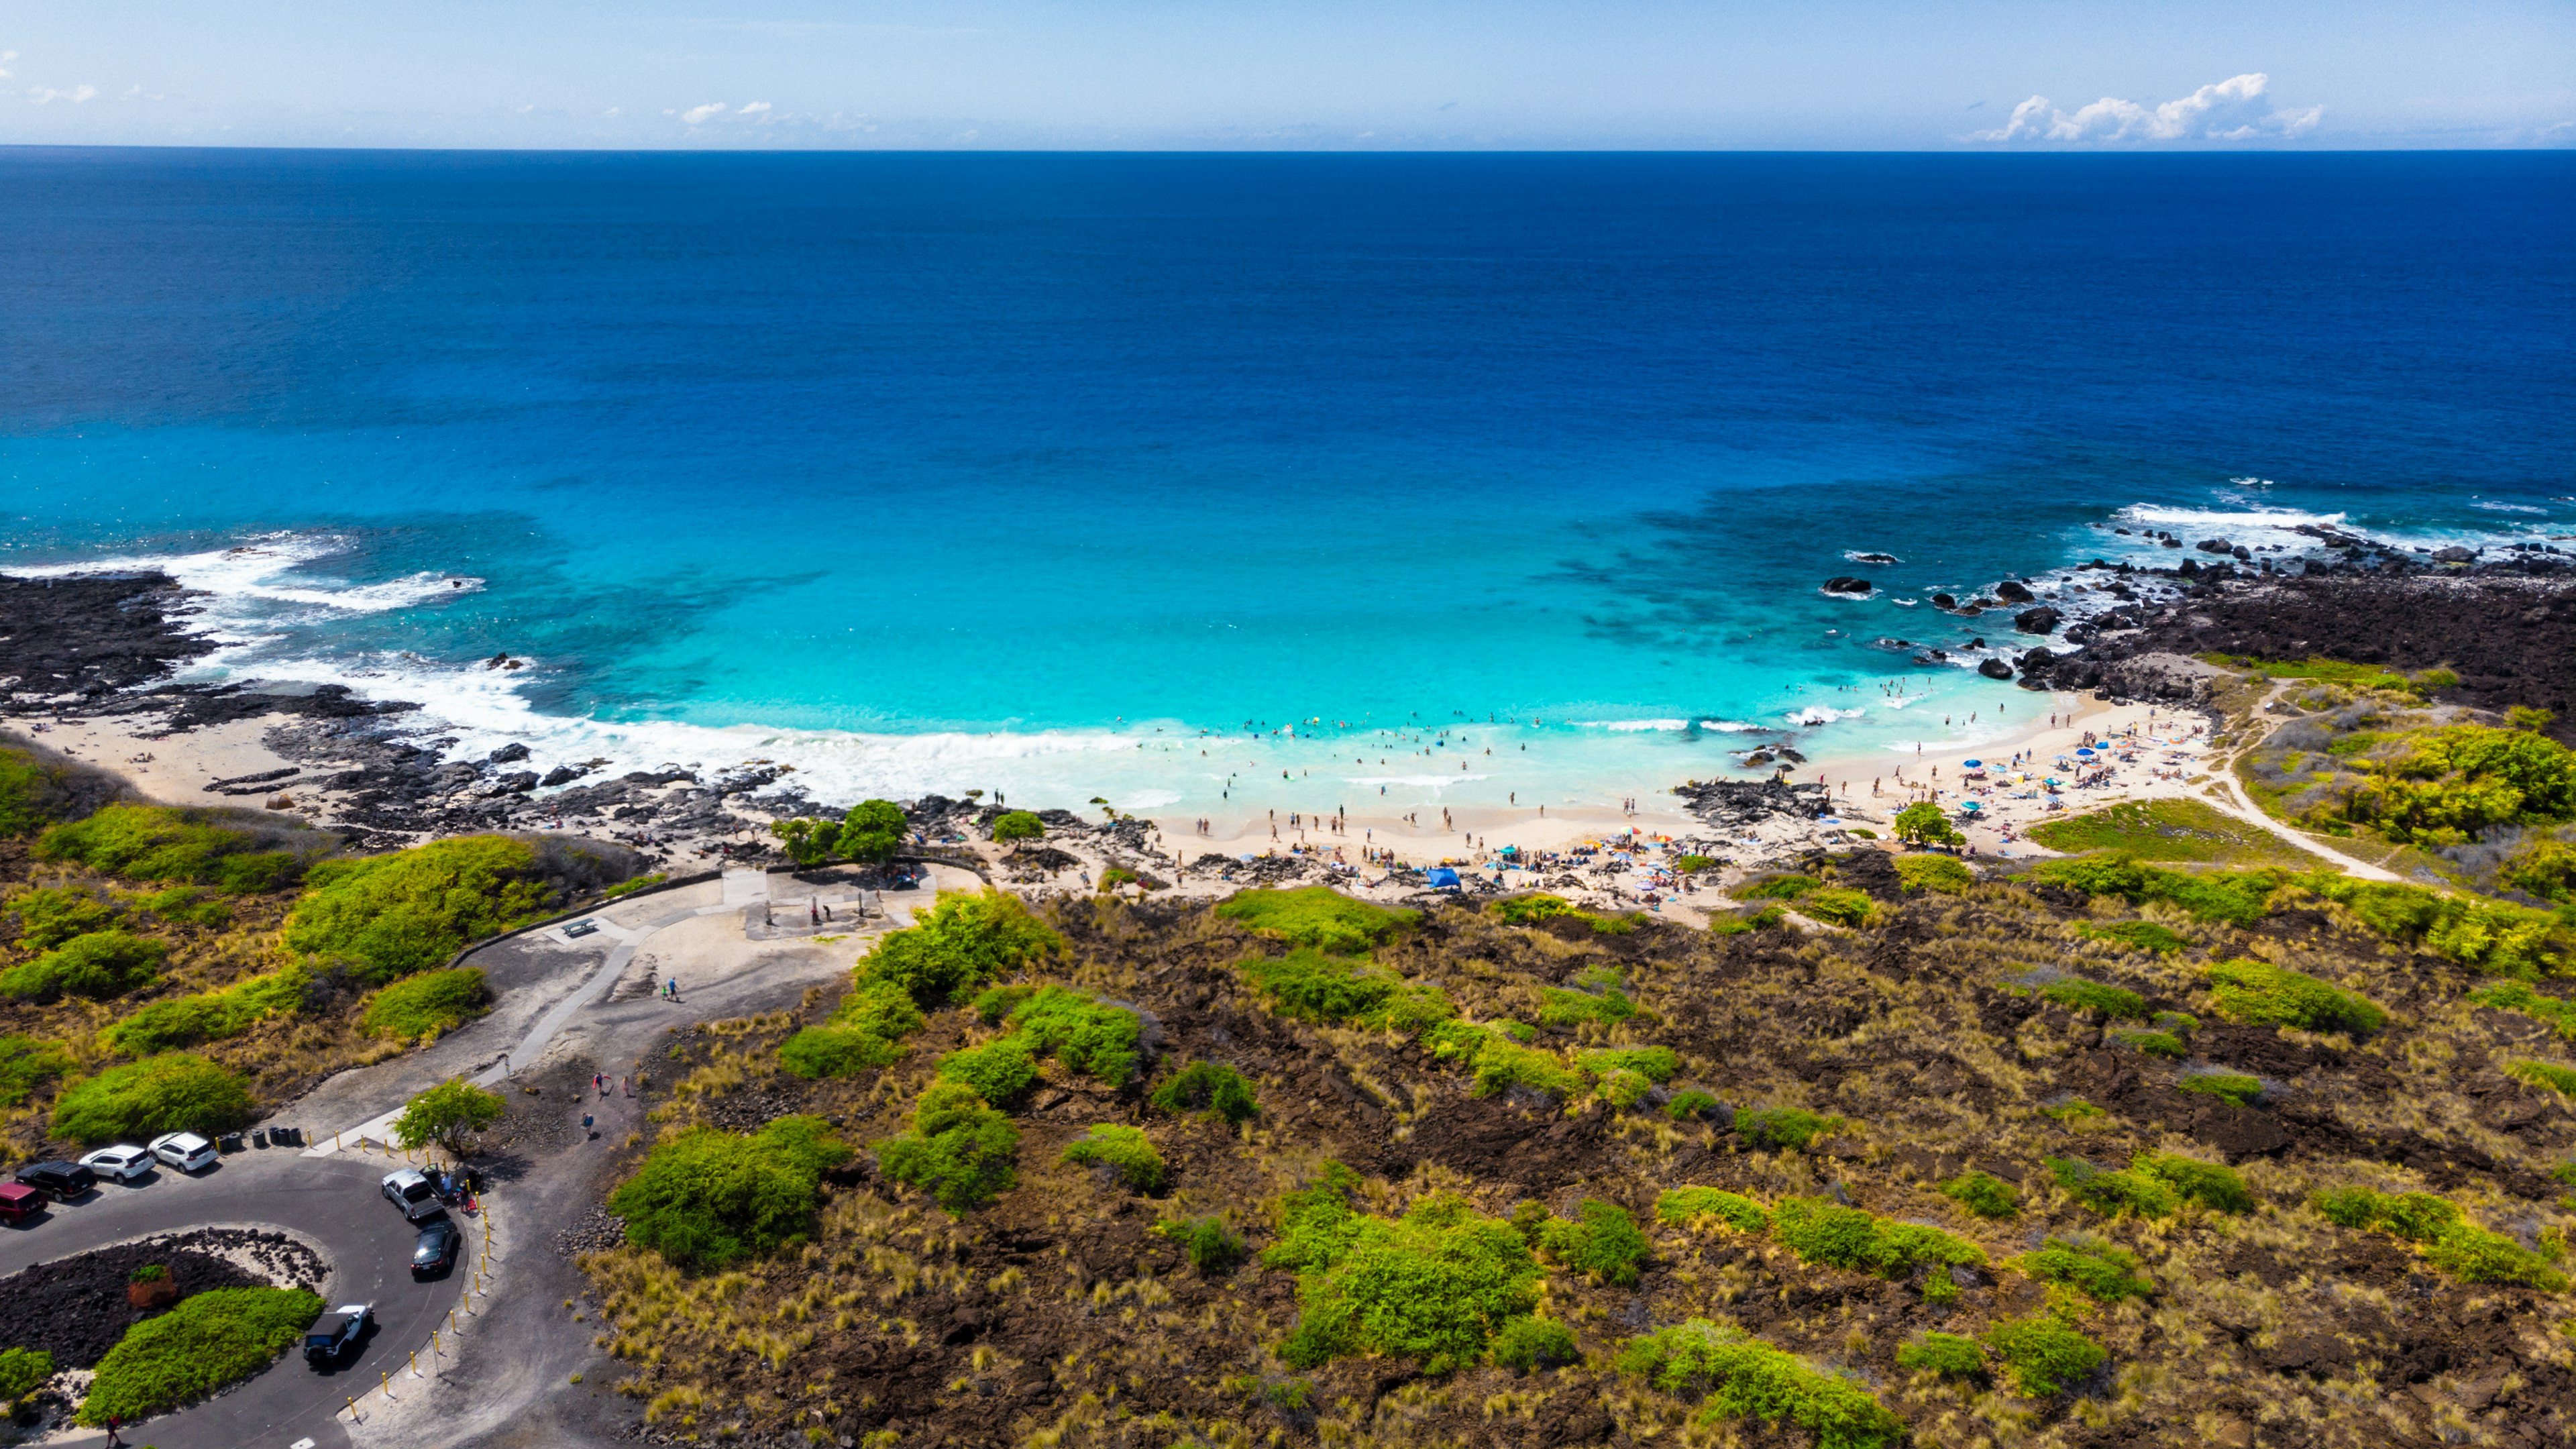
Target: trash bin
<point x="259" y="1137"/>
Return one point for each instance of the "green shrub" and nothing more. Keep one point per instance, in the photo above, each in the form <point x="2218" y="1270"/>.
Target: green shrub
<point x="866" y="1030"/>
<point x="1776" y="1127"/>
<point x="1693" y="864"/>
<point x="2495" y="937"/>
<point x="1603" y="1241"/>
<point x="31" y="794"/>
<point x="22" y="1372"/>
<point x="1686" y="1105"/>
<point x="1316" y="1223"/>
<point x="2452" y="1243"/>
<point x="995" y="1002"/>
<point x="139" y="1100"/>
<point x="50" y="915"/>
<point x="2417" y="1216"/>
<point x="27" y="1063"/>
<point x="1983" y="1193"/>
<point x="2236" y="897"/>
<point x="1945" y="1354"/>
<point x="1211" y="1087"/>
<point x="708" y="1198"/>
<point x="2255" y="991"/>
<point x="1531" y="909"/>
<point x="2043" y="1353"/>
<point x="206" y="1341"/>
<point x="1745" y="1378"/>
<point x="430" y="1004"/>
<point x="191" y="905"/>
<point x="879" y="1009"/>
<point x="2235" y="1087"/>
<point x="1777" y="888"/>
<point x="187" y="1020"/>
<point x="157" y="842"/>
<point x="1527" y="1344"/>
<point x="1838" y="906"/>
<point x="639" y="883"/>
<point x="1018" y="825"/>
<point x="1820" y="1231"/>
<point x="1213" y="1248"/>
<point x="2561" y="1080"/>
<point x="2545" y="868"/>
<point x="1767" y="918"/>
<point x="962" y="943"/>
<point x="1311" y="985"/>
<point x="873" y="831"/>
<point x="1087" y="1035"/>
<point x="959" y="1150"/>
<point x="1622" y="1088"/>
<point x="1561" y="1008"/>
<point x="2557" y="1011"/>
<point x="100" y="965"/>
<point x="2085" y="995"/>
<point x="1435" y="1284"/>
<point x="1925" y="823"/>
<point x="1126" y="1151"/>
<point x="1654" y="1063"/>
<point x="1316" y="916"/>
<point x="1001" y="1071"/>
<point x="386" y="916"/>
<point x="2154" y="1043"/>
<point x="2101" y="1271"/>
<point x="2460" y="780"/>
<point x="2114" y="1193"/>
<point x="2474" y="1255"/>
<point x="2136" y="935"/>
<point x="449" y="1114"/>
<point x="1686" y="1205"/>
<point x="1501" y="1063"/>
<point x="2209" y="1184"/>
<point x="1940" y="874"/>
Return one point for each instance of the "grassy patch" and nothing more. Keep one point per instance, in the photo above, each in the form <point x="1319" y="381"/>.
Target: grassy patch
<point x="2043" y="1353"/>
<point x="2114" y="1193"/>
<point x="1310" y="984"/>
<point x="1316" y="916"/>
<point x="2256" y="991"/>
<point x="1685" y="1205"/>
<point x="428" y="1005"/>
<point x="1838" y="906"/>
<point x="48" y="916"/>
<point x="1528" y="1344"/>
<point x="1001" y="1071"/>
<point x="960" y="1150"/>
<point x="2098" y="1270"/>
<point x="1777" y="888"/>
<point x="2419" y="1217"/>
<point x="1983" y="1193"/>
<point x="2211" y="1185"/>
<point x="101" y="965"/>
<point x="2496" y="937"/>
<point x="2234" y="1087"/>
<point x="2556" y="1078"/>
<point x="1738" y="923"/>
<point x="1945" y="1354"/>
<point x="2136" y="935"/>
<point x="1790" y="1127"/>
<point x="1500" y="1062"/>
<point x="208" y="1340"/>
<point x="2239" y="898"/>
<point x="1211" y="1087"/>
<point x="2557" y="1011"/>
<point x="1126" y="1151"/>
<point x="1087" y="1035"/>
<point x="1214" y="1249"/>
<point x="2111" y="1001"/>
<point x="22" y="1372"/>
<point x="639" y="883"/>
<point x="1936" y="874"/>
<point x="1691" y="1104"/>
<point x="157" y="842"/>
<point x="707" y="1198"/>
<point x="387" y="916"/>
<point x="177" y="1092"/>
<point x="2450" y="1242"/>
<point x="1821" y="1231"/>
<point x="1563" y="1009"/>
<point x="1602" y="1240"/>
<point x="211" y="1016"/>
<point x="1742" y="1377"/>
<point x="2154" y="1043"/>
<point x="2170" y="830"/>
<point x="1436" y="1284"/>
<point x="27" y="1063"/>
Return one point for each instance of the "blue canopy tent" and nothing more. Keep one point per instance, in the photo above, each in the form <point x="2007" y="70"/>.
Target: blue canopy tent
<point x="1443" y="876"/>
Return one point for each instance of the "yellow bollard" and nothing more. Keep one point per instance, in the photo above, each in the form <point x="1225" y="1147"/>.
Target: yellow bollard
<point x="353" y="1409"/>
<point x="415" y="1365"/>
<point x="385" y="1381"/>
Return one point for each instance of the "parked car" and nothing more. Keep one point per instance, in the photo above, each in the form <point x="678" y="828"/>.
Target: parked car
<point x="61" y="1181"/>
<point x="436" y="1251"/>
<point x="124" y="1162"/>
<point x="335" y="1332"/>
<point x="185" y="1151"/>
<point x="414" y="1193"/>
<point x="19" y="1202"/>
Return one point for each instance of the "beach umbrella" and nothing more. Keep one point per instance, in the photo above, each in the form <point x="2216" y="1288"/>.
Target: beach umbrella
<point x="1974" y="764"/>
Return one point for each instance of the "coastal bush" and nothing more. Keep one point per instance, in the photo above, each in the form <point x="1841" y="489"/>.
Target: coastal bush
<point x="2100" y="1271"/>
<point x="872" y="832"/>
<point x="22" y="1372"/>
<point x="806" y="842"/>
<point x="632" y="885"/>
<point x="27" y="1063"/>
<point x="960" y="1150"/>
<point x="1311" y="985"/>
<point x="1783" y="1127"/>
<point x="1127" y="1152"/>
<point x="50" y="915"/>
<point x="189" y="905"/>
<point x="1689" y="864"/>
<point x="706" y="1198"/>
<point x="2556" y="1078"/>
<point x="1945" y="1354"/>
<point x="2495" y="937"/>
<point x="2451" y="1243"/>
<point x="2111" y="1001"/>
<point x="1820" y="1231"/>
<point x="1777" y="888"/>
<point x="1535" y="907"/>
<point x="1018" y="825"/>
<point x="2544" y="868"/>
<point x="1685" y="1205"/>
<point x="1838" y="906"/>
<point x="1925" y="823"/>
<point x="1602" y="1241"/>
<point x="2236" y="897"/>
<point x="1501" y="1063"/>
<point x="207" y="1340"/>
<point x="1983" y="1193"/>
<point x="964" y="942"/>
<point x="2235" y="1087"/>
<point x="2154" y="1043"/>
<point x="1436" y="1284"/>
<point x="31" y="794"/>
<point x="2211" y="1185"/>
<point x="1316" y="916"/>
<point x="1087" y="1035"/>
<point x="1687" y="1105"/>
<point x="2458" y="781"/>
<point x="1937" y="874"/>
<point x="1767" y="918"/>
<point x="448" y="1115"/>
<point x="2474" y="1255"/>
<point x="2420" y="1217"/>
<point x="1213" y="1248"/>
<point x="1529" y="1344"/>
<point x="212" y="1016"/>
<point x="2043" y="1353"/>
<point x="2557" y="1011"/>
<point x="2136" y="935"/>
<point x="1211" y="1087"/>
<point x="2113" y="1193"/>
<point x="1001" y="1071"/>
<point x="1742" y="1377"/>
<point x="100" y="965"/>
<point x="2256" y="991"/>
<point x="1654" y="1063"/>
<point x="1562" y="1008"/>
<point x="158" y="842"/>
<point x="385" y="916"/>
<point x="866" y="1030"/>
<point x="430" y="1004"/>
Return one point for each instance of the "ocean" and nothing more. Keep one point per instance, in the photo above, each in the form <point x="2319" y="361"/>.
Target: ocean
<point x="1206" y="484"/>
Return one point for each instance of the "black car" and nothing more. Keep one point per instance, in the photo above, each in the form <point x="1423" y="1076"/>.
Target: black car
<point x="61" y="1181"/>
<point x="435" y="1253"/>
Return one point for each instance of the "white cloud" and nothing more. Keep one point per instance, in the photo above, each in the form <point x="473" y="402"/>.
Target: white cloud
<point x="695" y="115"/>
<point x="46" y="95"/>
<point x="754" y="109"/>
<point x="6" y="56"/>
<point x="2235" y="109"/>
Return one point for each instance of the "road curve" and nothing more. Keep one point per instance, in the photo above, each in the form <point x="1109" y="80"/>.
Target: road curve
<point x="332" y="1202"/>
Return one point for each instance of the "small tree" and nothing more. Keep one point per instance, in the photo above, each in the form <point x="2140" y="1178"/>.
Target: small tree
<point x="873" y="832"/>
<point x="807" y="842"/>
<point x="1924" y="824"/>
<point x="1018" y="825"/>
<point x="448" y="1114"/>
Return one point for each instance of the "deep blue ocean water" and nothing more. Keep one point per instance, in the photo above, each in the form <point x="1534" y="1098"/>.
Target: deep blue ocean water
<point x="932" y="471"/>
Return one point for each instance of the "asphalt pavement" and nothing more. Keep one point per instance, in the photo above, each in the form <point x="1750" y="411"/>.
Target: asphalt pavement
<point x="332" y="1202"/>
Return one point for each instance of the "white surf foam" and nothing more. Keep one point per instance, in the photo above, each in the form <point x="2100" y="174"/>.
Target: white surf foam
<point x="1819" y="714"/>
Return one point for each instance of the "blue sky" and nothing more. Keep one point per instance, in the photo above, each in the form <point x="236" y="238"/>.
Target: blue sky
<point x="1322" y="74"/>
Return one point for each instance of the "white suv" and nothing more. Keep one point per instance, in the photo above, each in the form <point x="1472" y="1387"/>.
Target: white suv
<point x="124" y="1162"/>
<point x="185" y="1151"/>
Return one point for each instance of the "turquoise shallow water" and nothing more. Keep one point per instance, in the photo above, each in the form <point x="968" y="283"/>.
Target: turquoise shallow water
<point x="1017" y="472"/>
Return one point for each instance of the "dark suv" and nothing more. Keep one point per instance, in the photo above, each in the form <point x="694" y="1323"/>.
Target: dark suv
<point x="61" y="1181"/>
